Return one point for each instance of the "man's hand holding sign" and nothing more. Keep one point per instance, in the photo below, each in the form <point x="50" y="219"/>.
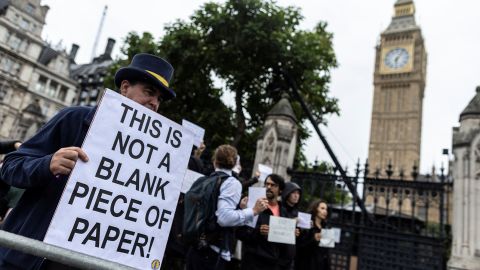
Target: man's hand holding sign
<point x="121" y="195"/>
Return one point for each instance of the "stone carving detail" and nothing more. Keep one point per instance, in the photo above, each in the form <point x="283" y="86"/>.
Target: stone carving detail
<point x="476" y="151"/>
<point x="267" y="162"/>
<point x="270" y="143"/>
<point x="466" y="163"/>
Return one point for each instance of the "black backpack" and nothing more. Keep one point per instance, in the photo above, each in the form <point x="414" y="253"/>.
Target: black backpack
<point x="200" y="222"/>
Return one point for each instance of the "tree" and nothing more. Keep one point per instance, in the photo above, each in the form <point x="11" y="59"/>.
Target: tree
<point x="247" y="45"/>
<point x="197" y="99"/>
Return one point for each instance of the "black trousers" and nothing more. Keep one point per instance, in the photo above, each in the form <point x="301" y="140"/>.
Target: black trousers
<point x="205" y="259"/>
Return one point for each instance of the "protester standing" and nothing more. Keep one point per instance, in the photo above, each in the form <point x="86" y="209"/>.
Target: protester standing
<point x="310" y="256"/>
<point x="258" y="252"/>
<point x="213" y="252"/>
<point x="290" y="198"/>
<point x="44" y="162"/>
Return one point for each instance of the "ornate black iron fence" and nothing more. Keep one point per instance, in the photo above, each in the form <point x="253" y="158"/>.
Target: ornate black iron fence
<point x="405" y="225"/>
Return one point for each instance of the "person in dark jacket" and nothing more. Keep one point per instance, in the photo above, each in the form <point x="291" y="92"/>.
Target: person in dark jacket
<point x="195" y="163"/>
<point x="43" y="163"/>
<point x="9" y="146"/>
<point x="175" y="252"/>
<point x="310" y="256"/>
<point x="258" y="252"/>
<point x="215" y="254"/>
<point x="290" y="199"/>
<point x="5" y="190"/>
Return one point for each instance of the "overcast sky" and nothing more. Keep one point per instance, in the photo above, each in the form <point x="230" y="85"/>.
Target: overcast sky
<point x="450" y="30"/>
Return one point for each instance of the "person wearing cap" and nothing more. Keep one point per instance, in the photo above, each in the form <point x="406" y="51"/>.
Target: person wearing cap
<point x="43" y="163"/>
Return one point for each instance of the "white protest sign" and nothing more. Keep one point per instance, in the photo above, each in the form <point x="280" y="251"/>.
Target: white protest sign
<point x="190" y="177"/>
<point x="255" y="193"/>
<point x="304" y="220"/>
<point x="197" y="131"/>
<point x="327" y="239"/>
<point x="119" y="205"/>
<point x="282" y="230"/>
<point x="264" y="172"/>
<point x="337" y="234"/>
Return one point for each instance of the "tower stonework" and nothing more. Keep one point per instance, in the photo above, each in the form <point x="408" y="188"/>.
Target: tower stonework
<point x="276" y="144"/>
<point x="399" y="83"/>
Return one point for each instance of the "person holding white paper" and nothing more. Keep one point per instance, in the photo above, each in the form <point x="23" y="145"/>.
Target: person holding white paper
<point x="213" y="252"/>
<point x="195" y="163"/>
<point x="290" y="198"/>
<point x="259" y="253"/>
<point x="309" y="254"/>
<point x="43" y="163"/>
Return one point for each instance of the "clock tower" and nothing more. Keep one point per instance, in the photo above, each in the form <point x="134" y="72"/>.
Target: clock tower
<point x="399" y="83"/>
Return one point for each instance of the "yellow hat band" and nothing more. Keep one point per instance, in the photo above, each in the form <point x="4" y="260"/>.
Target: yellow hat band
<point x="160" y="78"/>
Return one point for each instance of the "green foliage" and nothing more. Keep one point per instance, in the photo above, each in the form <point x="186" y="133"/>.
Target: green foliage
<point x="197" y="99"/>
<point x="245" y="44"/>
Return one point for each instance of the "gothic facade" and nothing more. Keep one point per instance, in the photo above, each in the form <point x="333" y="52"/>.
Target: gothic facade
<point x="90" y="76"/>
<point x="466" y="190"/>
<point x="276" y="144"/>
<point x="34" y="77"/>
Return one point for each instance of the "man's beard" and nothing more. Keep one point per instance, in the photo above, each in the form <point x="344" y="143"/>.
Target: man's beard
<point x="270" y="195"/>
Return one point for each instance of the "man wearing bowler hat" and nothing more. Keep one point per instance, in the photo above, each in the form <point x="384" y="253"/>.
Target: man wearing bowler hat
<point x="43" y="163"/>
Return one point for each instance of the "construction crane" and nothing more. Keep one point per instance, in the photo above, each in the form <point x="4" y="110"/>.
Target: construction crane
<point x="94" y="49"/>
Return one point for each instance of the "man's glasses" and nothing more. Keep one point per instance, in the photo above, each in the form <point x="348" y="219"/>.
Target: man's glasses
<point x="271" y="184"/>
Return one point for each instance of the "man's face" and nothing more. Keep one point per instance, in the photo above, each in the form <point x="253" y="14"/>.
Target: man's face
<point x="273" y="190"/>
<point x="294" y="197"/>
<point x="141" y="93"/>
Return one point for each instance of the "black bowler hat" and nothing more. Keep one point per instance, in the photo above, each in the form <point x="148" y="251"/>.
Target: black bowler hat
<point x="150" y="69"/>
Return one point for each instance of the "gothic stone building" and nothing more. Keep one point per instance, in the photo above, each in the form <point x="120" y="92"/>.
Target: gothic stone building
<point x="466" y="189"/>
<point x="276" y="145"/>
<point x="399" y="83"/>
<point x="34" y="78"/>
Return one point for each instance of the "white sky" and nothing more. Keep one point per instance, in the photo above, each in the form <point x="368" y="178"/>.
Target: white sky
<point x="450" y="30"/>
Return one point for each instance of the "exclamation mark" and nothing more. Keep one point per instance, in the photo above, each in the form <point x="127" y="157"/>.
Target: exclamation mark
<point x="150" y="248"/>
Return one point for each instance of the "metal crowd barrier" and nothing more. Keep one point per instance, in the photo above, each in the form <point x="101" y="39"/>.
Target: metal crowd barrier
<point x="57" y="254"/>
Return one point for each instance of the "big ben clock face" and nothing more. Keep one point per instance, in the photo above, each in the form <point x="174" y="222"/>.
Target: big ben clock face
<point x="397" y="58"/>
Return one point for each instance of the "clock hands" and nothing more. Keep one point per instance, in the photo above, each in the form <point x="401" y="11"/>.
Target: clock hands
<point x="396" y="59"/>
